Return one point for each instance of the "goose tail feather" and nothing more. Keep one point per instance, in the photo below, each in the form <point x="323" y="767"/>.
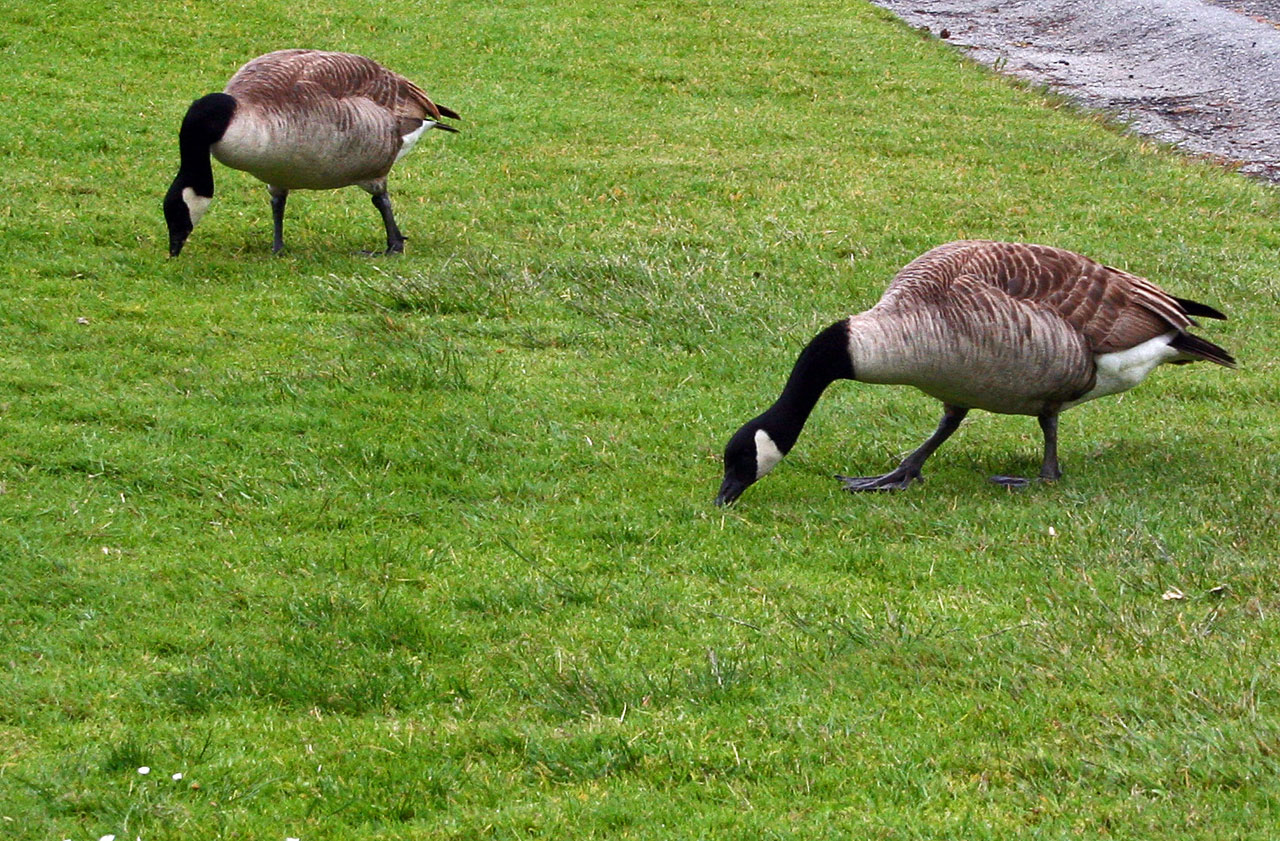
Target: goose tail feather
<point x="1194" y="308"/>
<point x="1199" y="348"/>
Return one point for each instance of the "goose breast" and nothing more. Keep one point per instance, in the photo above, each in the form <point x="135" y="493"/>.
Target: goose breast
<point x="981" y="351"/>
<point x="328" y="145"/>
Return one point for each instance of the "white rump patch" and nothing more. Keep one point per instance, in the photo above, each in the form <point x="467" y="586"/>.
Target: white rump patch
<point x="767" y="453"/>
<point x="196" y="205"/>
<point x="1122" y="370"/>
<point x="407" y="141"/>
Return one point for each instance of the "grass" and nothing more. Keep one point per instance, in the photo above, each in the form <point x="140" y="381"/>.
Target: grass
<point x="423" y="547"/>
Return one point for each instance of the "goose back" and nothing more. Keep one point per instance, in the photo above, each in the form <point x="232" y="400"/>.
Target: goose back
<point x="1017" y="328"/>
<point x="307" y="119"/>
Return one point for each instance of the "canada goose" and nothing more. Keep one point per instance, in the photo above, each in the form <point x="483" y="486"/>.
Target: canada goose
<point x="1010" y="328"/>
<point x="300" y="120"/>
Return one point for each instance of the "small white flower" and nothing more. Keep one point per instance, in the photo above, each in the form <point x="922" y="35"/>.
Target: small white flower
<point x="1053" y="532"/>
<point x="177" y="776"/>
<point x="144" y="770"/>
<point x="107" y="838"/>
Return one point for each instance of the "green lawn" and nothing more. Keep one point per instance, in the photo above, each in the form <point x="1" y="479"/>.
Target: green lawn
<point x="424" y="547"/>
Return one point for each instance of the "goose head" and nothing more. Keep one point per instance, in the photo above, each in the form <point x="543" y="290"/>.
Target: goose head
<point x="750" y="454"/>
<point x="192" y="189"/>
<point x="758" y="446"/>
<point x="183" y="207"/>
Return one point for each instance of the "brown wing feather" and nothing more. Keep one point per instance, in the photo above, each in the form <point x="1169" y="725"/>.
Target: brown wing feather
<point x="1112" y="309"/>
<point x="307" y="75"/>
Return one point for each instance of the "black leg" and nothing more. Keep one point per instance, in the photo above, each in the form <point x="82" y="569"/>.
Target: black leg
<point x="395" y="240"/>
<point x="909" y="471"/>
<point x="278" y="198"/>
<point x="1049" y="470"/>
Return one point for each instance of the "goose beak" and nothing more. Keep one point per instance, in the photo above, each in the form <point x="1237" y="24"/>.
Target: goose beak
<point x="177" y="218"/>
<point x="730" y="490"/>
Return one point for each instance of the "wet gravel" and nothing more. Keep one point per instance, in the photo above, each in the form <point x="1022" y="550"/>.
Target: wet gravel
<point x="1201" y="74"/>
<point x="1265" y="11"/>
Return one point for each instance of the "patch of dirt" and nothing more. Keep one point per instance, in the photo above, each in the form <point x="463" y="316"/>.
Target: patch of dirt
<point x="1204" y="76"/>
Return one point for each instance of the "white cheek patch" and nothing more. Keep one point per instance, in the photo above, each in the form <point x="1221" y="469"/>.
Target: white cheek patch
<point x="196" y="205"/>
<point x="767" y="453"/>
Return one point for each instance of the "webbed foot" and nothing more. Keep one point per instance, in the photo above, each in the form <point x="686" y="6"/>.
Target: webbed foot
<point x="895" y="480"/>
<point x="1018" y="483"/>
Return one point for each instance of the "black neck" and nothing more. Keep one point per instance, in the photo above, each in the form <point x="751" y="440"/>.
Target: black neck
<point x="823" y="361"/>
<point x="205" y="123"/>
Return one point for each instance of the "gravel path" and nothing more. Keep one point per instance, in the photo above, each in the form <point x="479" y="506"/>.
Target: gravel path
<point x="1202" y="75"/>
